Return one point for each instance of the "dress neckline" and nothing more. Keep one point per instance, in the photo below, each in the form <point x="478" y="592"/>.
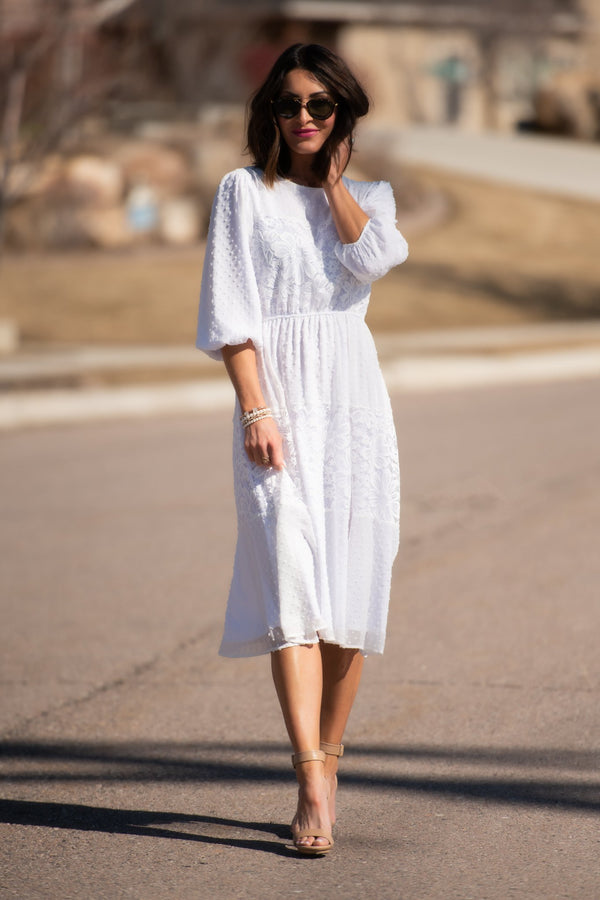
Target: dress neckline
<point x="308" y="187"/>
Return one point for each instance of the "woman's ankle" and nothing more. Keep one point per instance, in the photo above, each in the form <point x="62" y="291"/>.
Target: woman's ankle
<point x="331" y="766"/>
<point x="314" y="787"/>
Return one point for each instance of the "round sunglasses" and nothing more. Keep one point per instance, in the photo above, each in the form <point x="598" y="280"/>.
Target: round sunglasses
<point x="317" y="107"/>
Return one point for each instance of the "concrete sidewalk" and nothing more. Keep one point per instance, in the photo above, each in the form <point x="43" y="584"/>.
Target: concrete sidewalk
<point x="419" y="361"/>
<point x="558" y="166"/>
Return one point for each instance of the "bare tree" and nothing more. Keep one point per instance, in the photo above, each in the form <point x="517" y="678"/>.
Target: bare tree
<point x="56" y="39"/>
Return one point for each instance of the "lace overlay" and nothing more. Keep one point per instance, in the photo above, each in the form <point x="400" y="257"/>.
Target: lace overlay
<point x="316" y="542"/>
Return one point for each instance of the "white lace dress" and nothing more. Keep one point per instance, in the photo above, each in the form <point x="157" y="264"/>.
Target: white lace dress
<point x="316" y="541"/>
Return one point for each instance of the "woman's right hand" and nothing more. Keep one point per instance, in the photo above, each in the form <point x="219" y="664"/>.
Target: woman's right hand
<point x="263" y="444"/>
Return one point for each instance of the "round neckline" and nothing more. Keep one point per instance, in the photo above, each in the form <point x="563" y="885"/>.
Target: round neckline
<point x="308" y="187"/>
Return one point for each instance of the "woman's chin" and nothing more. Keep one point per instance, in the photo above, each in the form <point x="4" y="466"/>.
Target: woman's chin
<point x="306" y="147"/>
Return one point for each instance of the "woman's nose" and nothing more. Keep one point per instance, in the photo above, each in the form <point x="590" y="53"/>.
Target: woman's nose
<point x="304" y="115"/>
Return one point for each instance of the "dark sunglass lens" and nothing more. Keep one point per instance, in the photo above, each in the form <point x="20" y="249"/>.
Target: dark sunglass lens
<point x="320" y="109"/>
<point x="287" y="107"/>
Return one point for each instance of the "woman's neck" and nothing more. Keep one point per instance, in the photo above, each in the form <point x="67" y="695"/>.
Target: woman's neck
<point x="300" y="171"/>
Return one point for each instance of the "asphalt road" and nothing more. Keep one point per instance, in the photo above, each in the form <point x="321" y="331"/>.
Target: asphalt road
<point x="138" y="764"/>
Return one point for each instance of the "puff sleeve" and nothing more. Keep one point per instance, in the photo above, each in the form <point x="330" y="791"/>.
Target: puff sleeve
<point x="380" y="246"/>
<point x="230" y="309"/>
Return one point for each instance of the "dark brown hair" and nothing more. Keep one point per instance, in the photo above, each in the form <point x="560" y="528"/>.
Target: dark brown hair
<point x="269" y="152"/>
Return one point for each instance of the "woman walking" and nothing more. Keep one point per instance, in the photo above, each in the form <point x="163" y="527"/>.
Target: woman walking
<point x="292" y="250"/>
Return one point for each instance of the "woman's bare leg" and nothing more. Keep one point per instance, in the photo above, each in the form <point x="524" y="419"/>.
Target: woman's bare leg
<point x="316" y="685"/>
<point x="298" y="676"/>
<point x="342" y="669"/>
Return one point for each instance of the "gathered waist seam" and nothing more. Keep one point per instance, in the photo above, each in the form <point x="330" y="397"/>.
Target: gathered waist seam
<point x="310" y="315"/>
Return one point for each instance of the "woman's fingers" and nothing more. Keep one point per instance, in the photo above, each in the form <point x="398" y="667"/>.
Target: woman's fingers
<point x="339" y="161"/>
<point x="263" y="444"/>
<point x="276" y="455"/>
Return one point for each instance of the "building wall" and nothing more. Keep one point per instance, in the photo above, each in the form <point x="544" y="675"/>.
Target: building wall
<point x="591" y="41"/>
<point x="454" y="76"/>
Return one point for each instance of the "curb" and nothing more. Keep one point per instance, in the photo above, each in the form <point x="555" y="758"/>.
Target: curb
<point x="410" y="374"/>
<point x="438" y="373"/>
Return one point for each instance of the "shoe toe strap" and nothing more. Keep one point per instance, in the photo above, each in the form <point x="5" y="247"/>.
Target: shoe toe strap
<point x="314" y="832"/>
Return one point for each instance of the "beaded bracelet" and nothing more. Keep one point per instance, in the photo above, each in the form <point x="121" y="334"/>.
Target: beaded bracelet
<point x="254" y="415"/>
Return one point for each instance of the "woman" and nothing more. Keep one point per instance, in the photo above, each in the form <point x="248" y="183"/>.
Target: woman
<point x="292" y="250"/>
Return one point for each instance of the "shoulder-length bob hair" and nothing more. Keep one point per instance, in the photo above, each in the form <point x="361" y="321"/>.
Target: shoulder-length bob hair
<point x="269" y="151"/>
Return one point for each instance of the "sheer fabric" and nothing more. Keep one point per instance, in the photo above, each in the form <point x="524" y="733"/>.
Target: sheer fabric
<point x="316" y="541"/>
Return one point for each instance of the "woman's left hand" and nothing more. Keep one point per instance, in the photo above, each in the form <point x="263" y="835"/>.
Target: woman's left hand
<point x="347" y="215"/>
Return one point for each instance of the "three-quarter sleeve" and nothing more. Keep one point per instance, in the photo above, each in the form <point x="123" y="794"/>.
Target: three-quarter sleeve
<point x="230" y="310"/>
<point x="380" y="247"/>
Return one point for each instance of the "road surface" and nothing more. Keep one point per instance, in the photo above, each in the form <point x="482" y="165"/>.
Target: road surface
<point x="138" y="764"/>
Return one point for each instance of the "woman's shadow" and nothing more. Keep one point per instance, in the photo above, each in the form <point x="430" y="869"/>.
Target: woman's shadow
<point x="76" y="817"/>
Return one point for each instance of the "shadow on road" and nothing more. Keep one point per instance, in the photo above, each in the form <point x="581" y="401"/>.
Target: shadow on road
<point x="77" y="817"/>
<point x="561" y="779"/>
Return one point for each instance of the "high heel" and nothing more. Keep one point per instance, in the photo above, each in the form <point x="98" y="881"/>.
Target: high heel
<point x="311" y="849"/>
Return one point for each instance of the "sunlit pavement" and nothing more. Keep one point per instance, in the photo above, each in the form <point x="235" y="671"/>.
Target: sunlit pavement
<point x="555" y="165"/>
<point x="137" y="763"/>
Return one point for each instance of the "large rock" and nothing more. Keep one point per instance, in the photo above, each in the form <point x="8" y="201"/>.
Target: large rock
<point x="40" y="226"/>
<point x="22" y="228"/>
<point x="120" y="192"/>
<point x="179" y="221"/>
<point x="28" y="179"/>
<point x="165" y="169"/>
<point x="60" y="228"/>
<point x="93" y="181"/>
<point x="213" y="158"/>
<point x="106" y="229"/>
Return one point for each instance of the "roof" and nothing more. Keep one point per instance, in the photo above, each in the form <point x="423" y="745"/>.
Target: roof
<point x="559" y="16"/>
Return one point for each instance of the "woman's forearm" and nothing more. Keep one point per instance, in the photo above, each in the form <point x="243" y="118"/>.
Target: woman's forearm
<point x="240" y="362"/>
<point x="262" y="441"/>
<point x="347" y="215"/>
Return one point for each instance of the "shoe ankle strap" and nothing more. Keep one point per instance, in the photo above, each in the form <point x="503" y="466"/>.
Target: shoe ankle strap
<point x="307" y="756"/>
<point x="332" y="749"/>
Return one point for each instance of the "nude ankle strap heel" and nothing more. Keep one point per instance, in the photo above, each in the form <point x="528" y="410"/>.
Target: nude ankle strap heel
<point x="310" y="849"/>
<point x="332" y="749"/>
<point x="307" y="756"/>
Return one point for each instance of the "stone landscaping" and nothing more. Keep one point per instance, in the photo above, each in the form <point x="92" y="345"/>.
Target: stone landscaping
<point x="113" y="191"/>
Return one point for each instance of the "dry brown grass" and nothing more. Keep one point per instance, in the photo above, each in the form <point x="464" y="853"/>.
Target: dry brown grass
<point x="504" y="255"/>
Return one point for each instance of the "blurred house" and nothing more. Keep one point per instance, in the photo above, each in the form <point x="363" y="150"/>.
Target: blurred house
<point x="474" y="64"/>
